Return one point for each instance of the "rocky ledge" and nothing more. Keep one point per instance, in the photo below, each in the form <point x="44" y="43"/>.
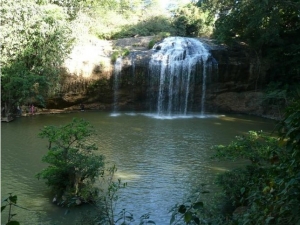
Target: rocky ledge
<point x="237" y="87"/>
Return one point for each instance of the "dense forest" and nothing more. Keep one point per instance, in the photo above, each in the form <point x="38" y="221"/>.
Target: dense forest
<point x="37" y="36"/>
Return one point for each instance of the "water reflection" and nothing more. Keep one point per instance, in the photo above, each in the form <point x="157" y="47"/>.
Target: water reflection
<point x="162" y="159"/>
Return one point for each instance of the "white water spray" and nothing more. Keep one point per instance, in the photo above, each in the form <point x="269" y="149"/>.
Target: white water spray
<point x="173" y="68"/>
<point x="117" y="73"/>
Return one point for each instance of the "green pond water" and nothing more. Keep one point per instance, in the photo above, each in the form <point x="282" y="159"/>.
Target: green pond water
<point x="163" y="160"/>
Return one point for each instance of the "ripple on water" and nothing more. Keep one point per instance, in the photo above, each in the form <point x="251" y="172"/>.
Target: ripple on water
<point x="163" y="159"/>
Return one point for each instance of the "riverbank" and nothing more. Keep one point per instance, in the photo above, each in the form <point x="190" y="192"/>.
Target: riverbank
<point x="107" y="108"/>
<point x="72" y="109"/>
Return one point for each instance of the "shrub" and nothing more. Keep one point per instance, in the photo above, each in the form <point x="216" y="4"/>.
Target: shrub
<point x="73" y="168"/>
<point x="269" y="187"/>
<point x="158" y="38"/>
<point x="119" y="53"/>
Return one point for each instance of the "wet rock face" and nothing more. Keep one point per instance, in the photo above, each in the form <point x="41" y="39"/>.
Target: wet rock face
<point x="233" y="87"/>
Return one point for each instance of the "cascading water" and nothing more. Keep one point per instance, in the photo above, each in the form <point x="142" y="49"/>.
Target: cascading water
<point x="173" y="68"/>
<point x="117" y="73"/>
<point x="132" y="58"/>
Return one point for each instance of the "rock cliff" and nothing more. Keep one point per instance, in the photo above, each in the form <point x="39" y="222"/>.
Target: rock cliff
<point x="236" y="86"/>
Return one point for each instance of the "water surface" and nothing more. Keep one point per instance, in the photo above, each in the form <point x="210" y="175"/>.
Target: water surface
<point x="163" y="159"/>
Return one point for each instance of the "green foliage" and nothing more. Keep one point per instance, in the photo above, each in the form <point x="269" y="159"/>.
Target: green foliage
<point x="119" y="53"/>
<point x="151" y="44"/>
<point x="258" y="147"/>
<point x="73" y="168"/>
<point x="108" y="198"/>
<point x="239" y="184"/>
<point x="158" y="38"/>
<point x="270" y="28"/>
<point x="269" y="187"/>
<point x="290" y="127"/>
<point x="253" y="185"/>
<point x="114" y="57"/>
<point x="71" y="7"/>
<point x="276" y="94"/>
<point x="10" y="201"/>
<point x="190" y="212"/>
<point x="121" y="19"/>
<point x="37" y="35"/>
<point x="124" y="217"/>
<point x="19" y="85"/>
<point x="35" y="41"/>
<point x="280" y="95"/>
<point x="191" y="20"/>
<point x="149" y="26"/>
<point x="105" y="204"/>
<point x="145" y="219"/>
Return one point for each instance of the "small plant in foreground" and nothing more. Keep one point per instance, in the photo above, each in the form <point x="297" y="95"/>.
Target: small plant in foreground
<point x="190" y="212"/>
<point x="145" y="219"/>
<point x="108" y="197"/>
<point x="10" y="202"/>
<point x="125" y="218"/>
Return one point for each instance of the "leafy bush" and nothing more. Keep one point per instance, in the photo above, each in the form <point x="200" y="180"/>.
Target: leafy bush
<point x="269" y="187"/>
<point x="73" y="168"/>
<point x="193" y="211"/>
<point x="35" y="41"/>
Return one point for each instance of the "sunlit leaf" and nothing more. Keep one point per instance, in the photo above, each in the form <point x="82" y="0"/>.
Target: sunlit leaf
<point x="188" y="216"/>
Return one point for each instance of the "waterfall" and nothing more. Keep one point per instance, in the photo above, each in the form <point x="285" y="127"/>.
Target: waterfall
<point x="174" y="65"/>
<point x="116" y="73"/>
<point x="132" y="58"/>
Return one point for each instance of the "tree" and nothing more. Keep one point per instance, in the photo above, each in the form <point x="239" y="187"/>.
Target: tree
<point x="270" y="28"/>
<point x="73" y="167"/>
<point x="70" y="7"/>
<point x="35" y="41"/>
<point x="190" y="20"/>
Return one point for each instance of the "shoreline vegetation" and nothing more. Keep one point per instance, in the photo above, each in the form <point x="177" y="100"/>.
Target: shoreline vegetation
<point x="38" y="37"/>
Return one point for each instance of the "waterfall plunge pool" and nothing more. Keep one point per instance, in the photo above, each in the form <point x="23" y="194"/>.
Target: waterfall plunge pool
<point x="163" y="160"/>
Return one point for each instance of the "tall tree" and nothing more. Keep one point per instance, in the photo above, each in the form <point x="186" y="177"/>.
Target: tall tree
<point x="190" y="20"/>
<point x="35" y="41"/>
<point x="271" y="28"/>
